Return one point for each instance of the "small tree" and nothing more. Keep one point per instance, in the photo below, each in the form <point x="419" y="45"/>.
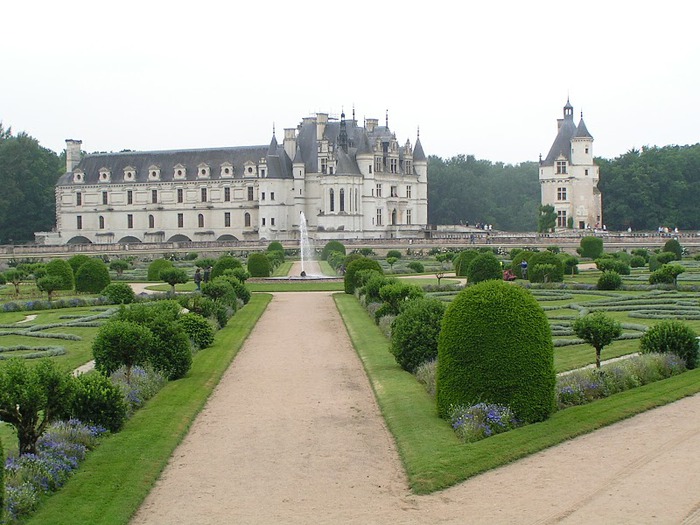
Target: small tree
<point x="547" y="219"/>
<point x="598" y="330"/>
<point x="391" y="261"/>
<point x="49" y="284"/>
<point x="15" y="277"/>
<point x="63" y="270"/>
<point x="156" y="267"/>
<point x="591" y="247"/>
<point x="119" y="266"/>
<point x="174" y="276"/>
<point x="31" y="397"/>
<point x="77" y="261"/>
<point x="121" y="343"/>
<point x="667" y="274"/>
<point x="394" y="253"/>
<point x="92" y="277"/>
<point x="673" y="246"/>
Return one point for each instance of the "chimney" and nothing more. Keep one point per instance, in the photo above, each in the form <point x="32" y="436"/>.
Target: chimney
<point x="72" y="153"/>
<point x="371" y="124"/>
<point x="290" y="142"/>
<point x="321" y="121"/>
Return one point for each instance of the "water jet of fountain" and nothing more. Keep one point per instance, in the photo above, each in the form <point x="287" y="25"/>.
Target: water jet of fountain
<point x="307" y="247"/>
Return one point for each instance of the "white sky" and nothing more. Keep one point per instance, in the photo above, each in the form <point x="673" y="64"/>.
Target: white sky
<point x="479" y="78"/>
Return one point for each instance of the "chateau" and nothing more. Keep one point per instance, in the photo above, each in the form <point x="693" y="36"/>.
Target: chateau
<point x="569" y="177"/>
<point x="349" y="181"/>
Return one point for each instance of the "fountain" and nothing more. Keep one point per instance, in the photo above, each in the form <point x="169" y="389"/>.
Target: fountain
<point x="307" y="247"/>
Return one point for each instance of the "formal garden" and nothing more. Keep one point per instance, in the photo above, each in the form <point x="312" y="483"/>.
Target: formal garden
<point x="461" y="354"/>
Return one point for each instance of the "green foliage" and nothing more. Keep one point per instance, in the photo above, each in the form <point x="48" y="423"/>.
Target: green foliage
<point x="657" y="260"/>
<point x="205" y="263"/>
<point x="610" y="280"/>
<point x="598" y="330"/>
<point x="396" y="294"/>
<point x="92" y="277"/>
<point x="351" y="257"/>
<point x="641" y="252"/>
<point x="2" y="478"/>
<point x="414" y="333"/>
<point x="463" y="260"/>
<point x="259" y="265"/>
<point x="61" y="269"/>
<point x="351" y="279"/>
<point x="15" y="277"/>
<point x="174" y="276"/>
<point x="332" y="246"/>
<point x="570" y="263"/>
<point x="275" y="246"/>
<point x="416" y="266"/>
<point x="98" y="401"/>
<point x="371" y="281"/>
<point x="226" y="262"/>
<point x="31" y="397"/>
<point x="391" y="261"/>
<point x="77" y="261"/>
<point x="524" y="255"/>
<point x="156" y="267"/>
<point x="484" y="267"/>
<point x="220" y="289"/>
<point x="393" y="253"/>
<point x="239" y="273"/>
<point x="335" y="259"/>
<point x="143" y="313"/>
<point x="49" y="284"/>
<point x="170" y="352"/>
<point x="121" y="343"/>
<point x="119" y="266"/>
<point x="547" y="219"/>
<point x="276" y="257"/>
<point x="637" y="261"/>
<point x="239" y="287"/>
<point x="198" y="329"/>
<point x="191" y="256"/>
<point x="591" y="247"/>
<point x="672" y="336"/>
<point x="495" y="346"/>
<point x="119" y="293"/>
<point x="552" y="269"/>
<point x="608" y="264"/>
<point x="667" y="274"/>
<point x="206" y="307"/>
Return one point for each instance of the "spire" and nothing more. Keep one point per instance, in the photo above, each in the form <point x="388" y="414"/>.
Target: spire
<point x="418" y="153"/>
<point x="387" y="119"/>
<point x="343" y="134"/>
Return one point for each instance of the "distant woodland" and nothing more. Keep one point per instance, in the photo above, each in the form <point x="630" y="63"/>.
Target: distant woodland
<point x="642" y="189"/>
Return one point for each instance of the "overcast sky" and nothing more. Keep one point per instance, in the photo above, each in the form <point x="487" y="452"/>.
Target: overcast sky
<point x="478" y="78"/>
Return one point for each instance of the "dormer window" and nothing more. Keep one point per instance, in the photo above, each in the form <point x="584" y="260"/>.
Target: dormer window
<point x="105" y="175"/>
<point x="249" y="169"/>
<point x="129" y="173"/>
<point x="179" y="172"/>
<point x="226" y="170"/>
<point x="154" y="173"/>
<point x="78" y="175"/>
<point x="203" y="171"/>
<point x="561" y="167"/>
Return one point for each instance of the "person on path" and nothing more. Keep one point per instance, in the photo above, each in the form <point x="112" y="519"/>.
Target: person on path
<point x="198" y="279"/>
<point x="523" y="268"/>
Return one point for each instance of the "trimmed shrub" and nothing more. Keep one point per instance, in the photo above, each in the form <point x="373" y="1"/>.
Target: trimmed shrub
<point x="674" y="247"/>
<point x="226" y="262"/>
<point x="121" y="343"/>
<point x="672" y="336"/>
<point x="335" y="259"/>
<point x="570" y="263"/>
<point x="119" y="266"/>
<point x="351" y="278"/>
<point x="119" y="293"/>
<point x="207" y="307"/>
<point x="463" y="260"/>
<point x="524" y="255"/>
<point x="144" y="313"/>
<point x="393" y="253"/>
<point x="156" y="267"/>
<point x="171" y="352"/>
<point x="98" y="401"/>
<point x="395" y="295"/>
<point x="591" y="247"/>
<point x="239" y="273"/>
<point x="351" y="257"/>
<point x="92" y="277"/>
<point x="641" y="252"/>
<point x="484" y="267"/>
<point x="598" y="330"/>
<point x="332" y="246"/>
<point x="667" y="274"/>
<point x="374" y="282"/>
<point x="553" y="271"/>
<point x="220" y="289"/>
<point x="205" y="263"/>
<point x="77" y="261"/>
<point x="637" y="261"/>
<point x="197" y="329"/>
<point x="608" y="264"/>
<point x="276" y="258"/>
<point x="416" y="266"/>
<point x="657" y="260"/>
<point x="610" y="280"/>
<point x="49" y="284"/>
<point x="259" y="265"/>
<point x="61" y="269"/>
<point x="414" y="333"/>
<point x="275" y="246"/>
<point x="495" y="346"/>
<point x="240" y="289"/>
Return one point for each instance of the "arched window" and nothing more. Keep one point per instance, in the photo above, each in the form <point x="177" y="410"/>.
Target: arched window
<point x="393" y="217"/>
<point x="246" y="220"/>
<point x="101" y="221"/>
<point x="200" y="220"/>
<point x="331" y="196"/>
<point x="342" y="199"/>
<point x="151" y="221"/>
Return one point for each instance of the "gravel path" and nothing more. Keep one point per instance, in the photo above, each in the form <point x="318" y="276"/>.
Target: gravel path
<point x="292" y="434"/>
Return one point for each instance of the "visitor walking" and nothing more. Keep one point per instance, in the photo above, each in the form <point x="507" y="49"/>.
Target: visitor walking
<point x="523" y="268"/>
<point x="198" y="279"/>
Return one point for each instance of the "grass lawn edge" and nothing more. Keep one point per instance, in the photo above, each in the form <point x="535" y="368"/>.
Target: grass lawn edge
<point x="433" y="457"/>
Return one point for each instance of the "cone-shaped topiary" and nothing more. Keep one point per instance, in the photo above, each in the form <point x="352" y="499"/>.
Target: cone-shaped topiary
<point x="495" y="346"/>
<point x="92" y="277"/>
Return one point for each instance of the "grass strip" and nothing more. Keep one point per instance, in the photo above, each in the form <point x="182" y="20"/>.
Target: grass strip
<point x="433" y="457"/>
<point x="299" y="285"/>
<point x="117" y="476"/>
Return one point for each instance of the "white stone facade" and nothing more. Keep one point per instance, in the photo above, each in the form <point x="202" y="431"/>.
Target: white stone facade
<point x="569" y="177"/>
<point x="350" y="181"/>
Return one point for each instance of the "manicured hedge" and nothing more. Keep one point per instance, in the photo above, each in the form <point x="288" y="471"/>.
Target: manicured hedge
<point x="332" y="246"/>
<point x="259" y="265"/>
<point x="591" y="247"/>
<point x="554" y="275"/>
<point x="60" y="268"/>
<point x="463" y="260"/>
<point x="484" y="267"/>
<point x="355" y="266"/>
<point x="226" y="262"/>
<point x="414" y="333"/>
<point x="92" y="277"/>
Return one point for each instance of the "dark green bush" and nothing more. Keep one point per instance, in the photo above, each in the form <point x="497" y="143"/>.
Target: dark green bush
<point x="462" y="261"/>
<point x="414" y="333"/>
<point x="119" y="266"/>
<point x="119" y="293"/>
<point x="524" y="255"/>
<point x="98" y="401"/>
<point x="570" y="263"/>
<point x="191" y="256"/>
<point x="613" y="265"/>
<point x="674" y="337"/>
<point x="121" y="343"/>
<point x="156" y="267"/>
<point x="674" y="247"/>
<point x="637" y="261"/>
<point x="332" y="246"/>
<point x="591" y="247"/>
<point x="171" y="352"/>
<point x="197" y="329"/>
<point x="226" y="262"/>
<point x="667" y="274"/>
<point x="366" y="252"/>
<point x="259" y="265"/>
<point x="416" y="266"/>
<point x="144" y="313"/>
<point x="395" y="295"/>
<point x="351" y="279"/>
<point x="60" y="268"/>
<point x="239" y="273"/>
<point x="641" y="252"/>
<point x="351" y="257"/>
<point x="220" y="289"/>
<point x="92" y="277"/>
<point x="657" y="260"/>
<point x="207" y="307"/>
<point x="484" y="267"/>
<point x="610" y="280"/>
<point x="513" y="252"/>
<point x="49" y="284"/>
<point x="495" y="346"/>
<point x="77" y="261"/>
<point x="372" y="284"/>
<point x="174" y="276"/>
<point x="275" y="246"/>
<point x="393" y="253"/>
<point x="205" y="262"/>
<point x="275" y="257"/>
<point x="552" y="275"/>
<point x="240" y="289"/>
<point x="335" y="259"/>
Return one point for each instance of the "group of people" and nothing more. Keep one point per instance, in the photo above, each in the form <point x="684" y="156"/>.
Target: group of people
<point x="202" y="276"/>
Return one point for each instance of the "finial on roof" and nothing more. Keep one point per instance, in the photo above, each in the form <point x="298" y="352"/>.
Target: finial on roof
<point x="387" y="119"/>
<point x="581" y="114"/>
<point x="418" y="132"/>
<point x="353" y="112"/>
<point x="273" y="129"/>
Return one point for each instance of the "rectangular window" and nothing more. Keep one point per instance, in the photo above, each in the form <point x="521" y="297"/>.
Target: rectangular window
<point x="370" y="168"/>
<point x="586" y="172"/>
<point x="409" y="189"/>
<point x="250" y="193"/>
<point x="129" y="197"/>
<point x="262" y="197"/>
<point x="180" y="220"/>
<point x="561" y="219"/>
<point x="561" y="194"/>
<point x="408" y="167"/>
<point x="227" y="194"/>
<point x="272" y="221"/>
<point x="227" y="219"/>
<point x="79" y="222"/>
<point x="393" y="165"/>
<point x="104" y="198"/>
<point x="151" y="221"/>
<point x="377" y="164"/>
<point x="129" y="221"/>
<point x="180" y="195"/>
<point x="204" y="194"/>
<point x="78" y="199"/>
<point x="324" y="165"/>
<point x="263" y="221"/>
<point x="379" y="190"/>
<point x="379" y="217"/>
<point x="409" y="219"/>
<point x="394" y="191"/>
<point x="272" y="195"/>
<point x="154" y="196"/>
<point x="561" y="167"/>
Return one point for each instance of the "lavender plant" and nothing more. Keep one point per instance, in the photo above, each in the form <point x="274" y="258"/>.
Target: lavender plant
<point x="476" y="422"/>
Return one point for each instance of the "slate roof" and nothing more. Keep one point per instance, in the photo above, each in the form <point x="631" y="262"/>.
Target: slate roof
<point x="582" y="131"/>
<point x="567" y="131"/>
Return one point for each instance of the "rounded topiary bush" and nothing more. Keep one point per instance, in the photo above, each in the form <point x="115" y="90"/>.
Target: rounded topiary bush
<point x="275" y="246"/>
<point x="610" y="280"/>
<point x="220" y="289"/>
<point x="416" y="266"/>
<point x="61" y="269"/>
<point x="351" y="257"/>
<point x="657" y="260"/>
<point x="591" y="247"/>
<point x="97" y="400"/>
<point x="171" y="352"/>
<point x="197" y="329"/>
<point x="121" y="343"/>
<point x="674" y="337"/>
<point x="156" y="267"/>
<point x="239" y="287"/>
<point x="674" y="247"/>
<point x="414" y="333"/>
<point x="77" y="261"/>
<point x="226" y="262"/>
<point x="119" y="293"/>
<point x="524" y="255"/>
<point x="92" y="277"/>
<point x="495" y="346"/>
<point x="393" y="253"/>
<point x="259" y="265"/>
<point x="351" y="277"/>
<point x="637" y="261"/>
<point x="609" y="264"/>
<point x="552" y="275"/>
<point x="462" y="261"/>
<point x="332" y="246"/>
<point x="484" y="267"/>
